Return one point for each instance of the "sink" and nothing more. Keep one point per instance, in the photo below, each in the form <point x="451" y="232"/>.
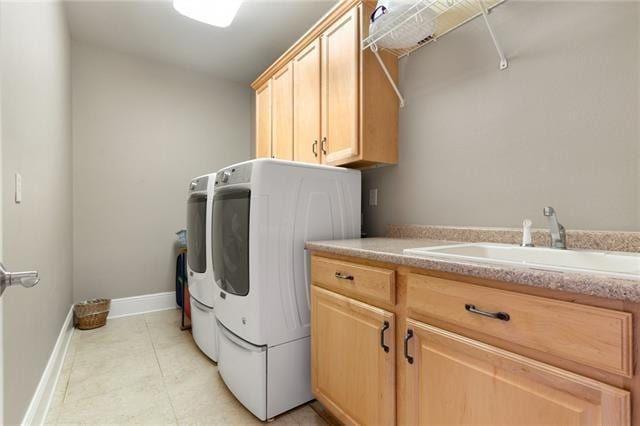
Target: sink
<point x="614" y="264"/>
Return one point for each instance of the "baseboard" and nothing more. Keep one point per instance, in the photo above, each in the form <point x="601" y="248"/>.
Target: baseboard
<point x="39" y="406"/>
<point x="142" y="304"/>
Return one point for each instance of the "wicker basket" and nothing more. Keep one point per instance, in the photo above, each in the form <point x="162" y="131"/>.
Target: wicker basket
<point x="91" y="314"/>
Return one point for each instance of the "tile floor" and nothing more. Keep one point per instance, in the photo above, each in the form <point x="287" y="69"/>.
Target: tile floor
<point x="143" y="369"/>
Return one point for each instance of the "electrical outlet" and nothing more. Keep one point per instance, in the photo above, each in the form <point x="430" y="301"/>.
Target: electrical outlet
<point x="373" y="197"/>
<point x="18" y="188"/>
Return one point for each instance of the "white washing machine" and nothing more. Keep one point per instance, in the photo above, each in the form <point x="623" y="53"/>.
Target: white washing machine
<point x="263" y="213"/>
<point x="200" y="265"/>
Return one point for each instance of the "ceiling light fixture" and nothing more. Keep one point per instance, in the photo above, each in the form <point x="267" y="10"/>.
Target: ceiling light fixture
<point x="217" y="13"/>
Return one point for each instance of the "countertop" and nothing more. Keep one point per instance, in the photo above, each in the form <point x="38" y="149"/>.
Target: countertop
<point x="390" y="250"/>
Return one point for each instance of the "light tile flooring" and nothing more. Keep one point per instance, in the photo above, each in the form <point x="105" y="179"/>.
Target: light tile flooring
<point x="143" y="369"/>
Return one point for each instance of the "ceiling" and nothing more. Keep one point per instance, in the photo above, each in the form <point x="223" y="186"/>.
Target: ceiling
<point x="260" y="33"/>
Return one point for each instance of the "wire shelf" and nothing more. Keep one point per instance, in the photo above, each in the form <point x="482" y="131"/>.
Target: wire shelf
<point x="441" y="15"/>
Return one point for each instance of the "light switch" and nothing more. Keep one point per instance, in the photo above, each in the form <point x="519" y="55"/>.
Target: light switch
<point x="373" y="197"/>
<point x="18" y="188"/>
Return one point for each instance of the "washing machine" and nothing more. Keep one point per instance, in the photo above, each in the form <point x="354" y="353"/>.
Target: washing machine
<point x="264" y="211"/>
<point x="200" y="266"/>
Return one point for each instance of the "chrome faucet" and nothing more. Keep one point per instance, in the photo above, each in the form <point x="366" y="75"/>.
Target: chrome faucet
<point x="558" y="235"/>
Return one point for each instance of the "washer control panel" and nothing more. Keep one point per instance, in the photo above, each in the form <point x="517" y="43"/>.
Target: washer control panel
<point x="233" y="175"/>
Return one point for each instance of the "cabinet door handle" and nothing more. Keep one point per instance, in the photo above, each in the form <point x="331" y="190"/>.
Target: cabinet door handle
<point x="384" y="328"/>
<point x="406" y="346"/>
<point x="323" y="146"/>
<point x="314" y="148"/>
<point x="502" y="316"/>
<point x="342" y="276"/>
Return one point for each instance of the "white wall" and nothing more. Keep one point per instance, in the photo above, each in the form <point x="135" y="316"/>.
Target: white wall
<point x="142" y="130"/>
<point x="36" y="141"/>
<point x="479" y="146"/>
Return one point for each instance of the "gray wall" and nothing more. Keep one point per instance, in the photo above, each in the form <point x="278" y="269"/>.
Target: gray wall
<point x="484" y="147"/>
<point x="142" y="130"/>
<point x="36" y="139"/>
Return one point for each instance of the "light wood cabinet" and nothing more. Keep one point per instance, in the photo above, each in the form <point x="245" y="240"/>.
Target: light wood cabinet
<point x="341" y="96"/>
<point x="592" y="336"/>
<point x="340" y="60"/>
<point x="306" y="104"/>
<point x="518" y="359"/>
<point x="373" y="285"/>
<point x="263" y="120"/>
<point x="454" y="380"/>
<point x="282" y="114"/>
<point x="353" y="374"/>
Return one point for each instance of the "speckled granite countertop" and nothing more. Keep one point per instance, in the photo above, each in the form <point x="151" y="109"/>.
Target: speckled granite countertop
<point x="390" y="250"/>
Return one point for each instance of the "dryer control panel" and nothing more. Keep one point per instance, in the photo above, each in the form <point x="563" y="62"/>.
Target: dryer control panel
<point x="199" y="184"/>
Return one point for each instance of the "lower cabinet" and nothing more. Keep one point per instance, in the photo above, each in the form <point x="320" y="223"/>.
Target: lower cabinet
<point x="454" y="380"/>
<point x="445" y="378"/>
<point x="353" y="358"/>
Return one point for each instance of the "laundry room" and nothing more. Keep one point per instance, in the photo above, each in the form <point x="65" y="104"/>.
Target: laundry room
<point x="319" y="212"/>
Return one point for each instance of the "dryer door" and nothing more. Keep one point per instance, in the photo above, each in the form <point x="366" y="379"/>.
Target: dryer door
<point x="196" y="248"/>
<point x="196" y="233"/>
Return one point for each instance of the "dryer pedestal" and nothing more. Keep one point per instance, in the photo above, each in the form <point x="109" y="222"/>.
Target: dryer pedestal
<point x="204" y="329"/>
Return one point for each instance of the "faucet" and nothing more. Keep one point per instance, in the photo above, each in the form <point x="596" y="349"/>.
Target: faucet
<point x="558" y="235"/>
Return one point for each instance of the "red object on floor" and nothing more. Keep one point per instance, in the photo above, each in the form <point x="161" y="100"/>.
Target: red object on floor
<point x="186" y="301"/>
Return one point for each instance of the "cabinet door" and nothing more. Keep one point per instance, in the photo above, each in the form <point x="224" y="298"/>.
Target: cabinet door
<point x="263" y="121"/>
<point x="282" y="145"/>
<point x="352" y="373"/>
<point x="340" y="101"/>
<point x="454" y="380"/>
<point x="306" y="102"/>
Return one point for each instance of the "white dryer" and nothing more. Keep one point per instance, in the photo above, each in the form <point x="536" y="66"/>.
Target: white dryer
<point x="263" y="213"/>
<point x="200" y="265"/>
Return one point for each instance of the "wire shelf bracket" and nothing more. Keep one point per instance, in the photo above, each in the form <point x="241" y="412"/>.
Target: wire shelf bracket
<point x="374" y="49"/>
<point x="504" y="62"/>
<point x="371" y="41"/>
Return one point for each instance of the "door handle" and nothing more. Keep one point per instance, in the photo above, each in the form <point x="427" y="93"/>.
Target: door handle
<point x="502" y="316"/>
<point x="323" y="146"/>
<point x="408" y="337"/>
<point x="314" y="148"/>
<point x="25" y="278"/>
<point x="384" y="328"/>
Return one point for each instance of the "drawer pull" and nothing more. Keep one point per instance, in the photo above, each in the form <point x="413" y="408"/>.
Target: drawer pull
<point x="342" y="276"/>
<point x="384" y="328"/>
<point x="502" y="316"/>
<point x="406" y="346"/>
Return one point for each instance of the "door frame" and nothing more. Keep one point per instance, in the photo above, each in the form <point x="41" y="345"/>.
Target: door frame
<point x="2" y="384"/>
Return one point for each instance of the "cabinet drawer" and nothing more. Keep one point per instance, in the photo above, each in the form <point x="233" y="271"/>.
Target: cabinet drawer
<point x="359" y="281"/>
<point x="596" y="337"/>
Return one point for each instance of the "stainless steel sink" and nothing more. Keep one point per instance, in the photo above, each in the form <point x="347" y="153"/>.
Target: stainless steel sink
<point x="614" y="264"/>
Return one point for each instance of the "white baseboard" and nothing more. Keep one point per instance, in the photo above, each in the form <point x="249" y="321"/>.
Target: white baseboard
<point x="39" y="406"/>
<point x="142" y="304"/>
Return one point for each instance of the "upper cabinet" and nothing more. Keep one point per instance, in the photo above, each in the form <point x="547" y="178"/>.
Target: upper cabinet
<point x="263" y="120"/>
<point x="282" y="114"/>
<point x="330" y="100"/>
<point x="306" y="104"/>
<point x="340" y="106"/>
